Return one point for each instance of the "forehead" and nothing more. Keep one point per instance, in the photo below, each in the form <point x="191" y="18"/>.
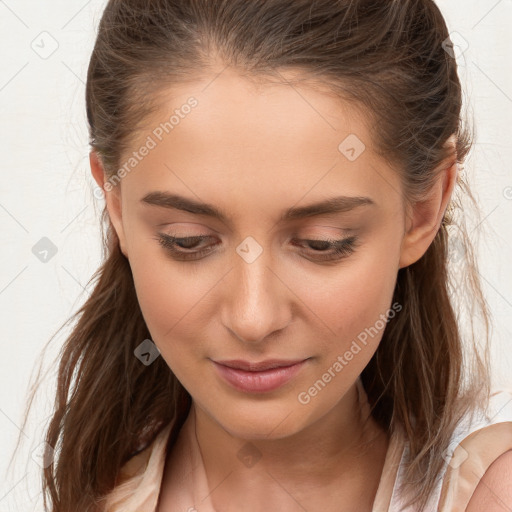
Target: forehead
<point x="265" y="142"/>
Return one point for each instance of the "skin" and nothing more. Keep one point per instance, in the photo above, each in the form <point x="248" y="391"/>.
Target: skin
<point x="254" y="151"/>
<point x="494" y="491"/>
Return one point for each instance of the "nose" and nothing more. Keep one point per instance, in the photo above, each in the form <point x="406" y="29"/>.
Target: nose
<point x="257" y="301"/>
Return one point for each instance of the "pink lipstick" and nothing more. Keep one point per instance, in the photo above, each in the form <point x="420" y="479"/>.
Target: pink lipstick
<point x="258" y="377"/>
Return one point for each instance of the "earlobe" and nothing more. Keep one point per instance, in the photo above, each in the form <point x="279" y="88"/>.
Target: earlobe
<point x="426" y="217"/>
<point x="112" y="199"/>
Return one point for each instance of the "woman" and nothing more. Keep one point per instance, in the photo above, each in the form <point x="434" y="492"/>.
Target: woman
<point x="273" y="327"/>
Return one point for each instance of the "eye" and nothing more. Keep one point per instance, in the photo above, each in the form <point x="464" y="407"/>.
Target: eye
<point x="179" y="246"/>
<point x="336" y="249"/>
<point x="185" y="248"/>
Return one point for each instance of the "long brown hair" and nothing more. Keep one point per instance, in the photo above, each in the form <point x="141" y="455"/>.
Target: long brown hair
<point x="388" y="57"/>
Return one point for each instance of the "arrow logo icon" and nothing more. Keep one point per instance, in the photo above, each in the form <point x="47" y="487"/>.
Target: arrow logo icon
<point x="352" y="147"/>
<point x="146" y="352"/>
<point x="249" y="249"/>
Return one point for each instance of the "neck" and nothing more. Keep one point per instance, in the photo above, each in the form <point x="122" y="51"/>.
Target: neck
<point x="336" y="448"/>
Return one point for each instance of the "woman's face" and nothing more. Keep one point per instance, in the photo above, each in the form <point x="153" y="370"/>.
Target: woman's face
<point x="254" y="289"/>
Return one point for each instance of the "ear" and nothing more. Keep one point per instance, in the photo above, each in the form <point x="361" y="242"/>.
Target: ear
<point x="425" y="216"/>
<point x="112" y="199"/>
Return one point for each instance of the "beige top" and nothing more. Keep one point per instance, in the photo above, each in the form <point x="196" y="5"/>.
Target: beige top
<point x="476" y="443"/>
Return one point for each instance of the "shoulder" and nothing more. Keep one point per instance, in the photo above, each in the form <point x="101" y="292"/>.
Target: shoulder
<point x="478" y="469"/>
<point x="494" y="491"/>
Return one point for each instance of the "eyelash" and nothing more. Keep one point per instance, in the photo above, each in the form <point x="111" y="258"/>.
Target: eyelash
<point x="341" y="248"/>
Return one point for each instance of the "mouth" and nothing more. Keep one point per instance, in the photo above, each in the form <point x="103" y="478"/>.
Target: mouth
<point x="239" y="364"/>
<point x="258" y="377"/>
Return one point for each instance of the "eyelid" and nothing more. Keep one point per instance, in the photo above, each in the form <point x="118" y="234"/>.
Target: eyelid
<point x="338" y="249"/>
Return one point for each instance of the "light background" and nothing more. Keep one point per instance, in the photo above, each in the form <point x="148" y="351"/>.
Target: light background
<point x="47" y="191"/>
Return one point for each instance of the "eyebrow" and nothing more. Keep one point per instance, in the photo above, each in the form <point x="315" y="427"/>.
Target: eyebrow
<point x="339" y="204"/>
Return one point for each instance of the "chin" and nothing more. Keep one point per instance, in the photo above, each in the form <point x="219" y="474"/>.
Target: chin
<point x="261" y="423"/>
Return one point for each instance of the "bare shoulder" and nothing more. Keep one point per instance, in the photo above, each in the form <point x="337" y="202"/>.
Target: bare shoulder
<point x="494" y="491"/>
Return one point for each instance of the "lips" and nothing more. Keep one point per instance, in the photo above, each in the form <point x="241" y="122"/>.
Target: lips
<point x="258" y="377"/>
<point x="239" y="364"/>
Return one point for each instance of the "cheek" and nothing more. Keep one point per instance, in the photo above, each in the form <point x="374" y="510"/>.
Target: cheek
<point x="354" y="306"/>
<point x="169" y="301"/>
<point x="168" y="294"/>
<point x="349" y="299"/>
